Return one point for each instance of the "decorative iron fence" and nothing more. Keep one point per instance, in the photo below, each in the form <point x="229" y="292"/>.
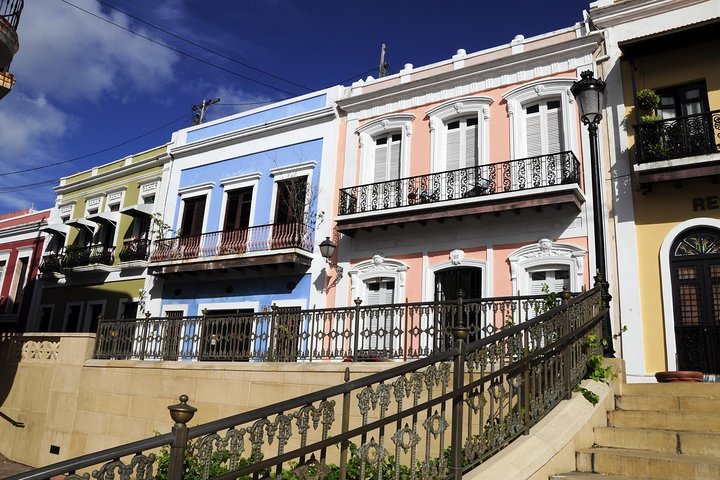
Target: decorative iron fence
<point x="88" y="255"/>
<point x="363" y="332"/>
<point x="234" y="242"/>
<point x="481" y="180"/>
<point x="437" y="417"/>
<point x="52" y="263"/>
<point x="137" y="249"/>
<point x="679" y="137"/>
<point x="10" y="11"/>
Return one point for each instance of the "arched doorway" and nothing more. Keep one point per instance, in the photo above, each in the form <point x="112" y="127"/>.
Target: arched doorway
<point x="695" y="276"/>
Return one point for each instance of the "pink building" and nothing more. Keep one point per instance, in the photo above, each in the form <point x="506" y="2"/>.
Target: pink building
<point x="468" y="172"/>
<point x="21" y="247"/>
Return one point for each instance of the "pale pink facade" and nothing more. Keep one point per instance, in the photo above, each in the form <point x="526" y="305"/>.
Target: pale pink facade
<point x="469" y="171"/>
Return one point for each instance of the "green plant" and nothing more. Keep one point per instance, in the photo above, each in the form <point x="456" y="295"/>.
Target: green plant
<point x="647" y="100"/>
<point x="193" y="467"/>
<point x="550" y="300"/>
<point x="595" y="369"/>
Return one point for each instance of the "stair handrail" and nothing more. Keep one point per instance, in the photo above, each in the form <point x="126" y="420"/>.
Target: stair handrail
<point x="525" y="370"/>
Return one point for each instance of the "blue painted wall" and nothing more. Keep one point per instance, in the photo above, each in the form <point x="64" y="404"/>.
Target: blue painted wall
<point x="258" y="118"/>
<point x="264" y="290"/>
<point x="261" y="162"/>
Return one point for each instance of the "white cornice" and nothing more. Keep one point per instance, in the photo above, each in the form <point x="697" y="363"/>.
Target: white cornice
<point x="265" y="129"/>
<point x="625" y="12"/>
<point x="113" y="175"/>
<point x="520" y="67"/>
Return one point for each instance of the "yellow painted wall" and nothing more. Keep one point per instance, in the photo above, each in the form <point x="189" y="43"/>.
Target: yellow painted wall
<point x="82" y="405"/>
<point x="668" y="204"/>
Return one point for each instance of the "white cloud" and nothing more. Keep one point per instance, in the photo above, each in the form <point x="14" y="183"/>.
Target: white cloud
<point x="68" y="54"/>
<point x="234" y="100"/>
<point x="29" y="125"/>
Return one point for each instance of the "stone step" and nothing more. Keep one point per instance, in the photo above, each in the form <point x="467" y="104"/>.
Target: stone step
<point x="591" y="476"/>
<point x="668" y="403"/>
<point x="677" y="421"/>
<point x="643" y="464"/>
<point x="660" y="441"/>
<point x="697" y="389"/>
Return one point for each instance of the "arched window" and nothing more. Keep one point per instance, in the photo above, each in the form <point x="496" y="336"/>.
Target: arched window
<point x="556" y="265"/>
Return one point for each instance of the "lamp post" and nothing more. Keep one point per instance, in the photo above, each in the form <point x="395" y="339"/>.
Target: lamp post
<point x="589" y="92"/>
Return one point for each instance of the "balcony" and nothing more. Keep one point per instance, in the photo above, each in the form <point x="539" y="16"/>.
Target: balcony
<point x="90" y="257"/>
<point x="529" y="182"/>
<point x="135" y="250"/>
<point x="678" y="148"/>
<point x="51" y="265"/>
<point x="272" y="244"/>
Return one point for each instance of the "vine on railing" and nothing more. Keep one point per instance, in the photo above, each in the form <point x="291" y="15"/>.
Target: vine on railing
<point x="436" y="417"/>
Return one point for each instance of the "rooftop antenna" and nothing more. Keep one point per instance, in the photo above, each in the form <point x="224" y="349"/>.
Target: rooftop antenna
<point x="383" y="68"/>
<point x="200" y="116"/>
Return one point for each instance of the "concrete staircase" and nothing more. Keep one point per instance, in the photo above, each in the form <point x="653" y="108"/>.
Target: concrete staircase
<point x="657" y="431"/>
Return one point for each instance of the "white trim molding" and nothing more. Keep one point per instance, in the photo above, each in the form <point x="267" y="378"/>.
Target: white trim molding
<point x="546" y="252"/>
<point x="456" y="258"/>
<point x="535" y="91"/>
<point x="441" y="114"/>
<point x="666" y="282"/>
<point x="367" y="133"/>
<point x="378" y="266"/>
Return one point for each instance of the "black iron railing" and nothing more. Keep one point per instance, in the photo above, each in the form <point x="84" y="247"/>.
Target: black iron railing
<point x="52" y="263"/>
<point x="136" y="249"/>
<point x="234" y="242"/>
<point x="437" y="417"/>
<point x="89" y="255"/>
<point x="10" y="11"/>
<point x="679" y="137"/>
<point x="513" y="176"/>
<point x="404" y="331"/>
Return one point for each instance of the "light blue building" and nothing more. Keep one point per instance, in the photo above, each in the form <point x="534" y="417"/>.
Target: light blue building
<point x="247" y="201"/>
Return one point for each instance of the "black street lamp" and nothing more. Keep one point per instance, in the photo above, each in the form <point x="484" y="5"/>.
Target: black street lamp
<point x="589" y="92"/>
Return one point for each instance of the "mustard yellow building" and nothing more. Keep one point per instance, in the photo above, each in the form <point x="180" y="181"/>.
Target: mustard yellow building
<point x="663" y="121"/>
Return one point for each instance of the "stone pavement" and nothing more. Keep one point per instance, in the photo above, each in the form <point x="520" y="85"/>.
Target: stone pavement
<point x="8" y="468"/>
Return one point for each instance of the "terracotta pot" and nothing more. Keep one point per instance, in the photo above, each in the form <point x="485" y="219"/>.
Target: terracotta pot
<point x="679" y="376"/>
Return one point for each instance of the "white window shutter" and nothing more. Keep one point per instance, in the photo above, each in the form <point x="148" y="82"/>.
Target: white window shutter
<point x="453" y="149"/>
<point x="471" y="146"/>
<point x="555" y="131"/>
<point x="380" y="163"/>
<point x="394" y="160"/>
<point x="534" y="135"/>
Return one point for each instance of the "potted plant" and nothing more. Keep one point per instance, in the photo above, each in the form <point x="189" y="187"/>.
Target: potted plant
<point x="649" y="138"/>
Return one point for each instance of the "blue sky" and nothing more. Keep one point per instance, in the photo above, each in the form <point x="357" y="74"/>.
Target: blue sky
<point x="85" y="85"/>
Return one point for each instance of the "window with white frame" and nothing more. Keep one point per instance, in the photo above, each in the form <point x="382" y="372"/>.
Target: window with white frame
<point x="387" y="157"/>
<point x="193" y="209"/>
<point x="459" y="133"/>
<point x="292" y="194"/>
<point x="385" y="148"/>
<point x="543" y="118"/>
<point x="556" y="265"/>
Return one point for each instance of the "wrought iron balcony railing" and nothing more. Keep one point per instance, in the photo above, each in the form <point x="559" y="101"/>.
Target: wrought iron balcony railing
<point x="679" y="137"/>
<point x="10" y="11"/>
<point x="482" y="180"/>
<point x="89" y="255"/>
<point x="137" y="249"/>
<point x="410" y="330"/>
<point x="52" y="263"/>
<point x="234" y="242"/>
<point x="437" y="417"/>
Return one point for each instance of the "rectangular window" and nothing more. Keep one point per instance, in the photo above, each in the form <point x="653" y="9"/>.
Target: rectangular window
<point x="683" y="100"/>
<point x="544" y="128"/>
<point x="462" y="143"/>
<point x="193" y="215"/>
<point x="290" y="202"/>
<point x="387" y="157"/>
<point x="237" y="209"/>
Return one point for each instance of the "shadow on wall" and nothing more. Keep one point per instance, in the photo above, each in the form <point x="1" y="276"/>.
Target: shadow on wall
<point x="10" y="354"/>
